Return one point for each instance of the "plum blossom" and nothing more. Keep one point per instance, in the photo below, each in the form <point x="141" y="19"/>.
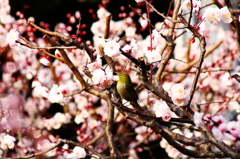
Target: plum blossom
<point x="93" y="123"/>
<point x="153" y="55"/>
<point x="45" y="61"/>
<point x="45" y="145"/>
<point x="97" y="76"/>
<point x="225" y="15"/>
<point x="132" y="154"/>
<point x="95" y="65"/>
<point x="7" y="141"/>
<point x="198" y="119"/>
<point x="80" y="117"/>
<point x="12" y="36"/>
<point x="156" y="38"/>
<point x="130" y="31"/>
<point x="144" y="23"/>
<point x="77" y="153"/>
<point x="102" y="13"/>
<point x="111" y="48"/>
<point x="212" y="15"/>
<point x="186" y="5"/>
<point x="139" y="1"/>
<point x="179" y="95"/>
<point x="55" y="94"/>
<point x="162" y="110"/>
<point x="57" y="121"/>
<point x="217" y="133"/>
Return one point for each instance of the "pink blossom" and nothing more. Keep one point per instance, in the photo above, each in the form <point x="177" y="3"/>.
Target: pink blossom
<point x="106" y="81"/>
<point x="217" y="133"/>
<point x="218" y="119"/>
<point x="222" y="127"/>
<point x="45" y="145"/>
<point x="141" y="129"/>
<point x="77" y="15"/>
<point x="144" y="23"/>
<point x="166" y="116"/>
<point x="179" y="95"/>
<point x="95" y="65"/>
<point x="11" y="67"/>
<point x="198" y="119"/>
<point x="162" y="110"/>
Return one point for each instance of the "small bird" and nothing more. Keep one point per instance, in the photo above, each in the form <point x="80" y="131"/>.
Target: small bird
<point x="126" y="89"/>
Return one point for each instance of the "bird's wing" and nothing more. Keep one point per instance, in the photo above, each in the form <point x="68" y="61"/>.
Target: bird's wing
<point x="131" y="89"/>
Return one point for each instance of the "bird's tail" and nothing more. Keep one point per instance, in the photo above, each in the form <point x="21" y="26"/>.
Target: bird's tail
<point x="136" y="105"/>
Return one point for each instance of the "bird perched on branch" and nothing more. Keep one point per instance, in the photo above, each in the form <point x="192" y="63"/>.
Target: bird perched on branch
<point x="126" y="89"/>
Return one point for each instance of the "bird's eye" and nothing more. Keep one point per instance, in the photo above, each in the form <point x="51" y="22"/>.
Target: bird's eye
<point x="120" y="75"/>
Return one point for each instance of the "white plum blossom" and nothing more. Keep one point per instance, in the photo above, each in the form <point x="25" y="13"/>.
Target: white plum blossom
<point x="144" y="23"/>
<point x="225" y="15"/>
<point x="11" y="38"/>
<point x="80" y="117"/>
<point x="77" y="153"/>
<point x="55" y="95"/>
<point x="102" y="13"/>
<point x="130" y="31"/>
<point x="97" y="76"/>
<point x="179" y="95"/>
<point x="7" y="141"/>
<point x="111" y="48"/>
<point x="212" y="15"/>
<point x="153" y="55"/>
<point x="60" y="117"/>
<point x="186" y="5"/>
<point x="45" y="61"/>
<point x="93" y="123"/>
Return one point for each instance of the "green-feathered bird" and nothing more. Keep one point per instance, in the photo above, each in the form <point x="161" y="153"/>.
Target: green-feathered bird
<point x="126" y="89"/>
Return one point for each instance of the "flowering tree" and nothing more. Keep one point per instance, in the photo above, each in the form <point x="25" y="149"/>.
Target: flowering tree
<point x="59" y="97"/>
